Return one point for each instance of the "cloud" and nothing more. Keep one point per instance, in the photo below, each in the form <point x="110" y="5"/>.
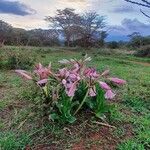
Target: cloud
<point x="15" y="7"/>
<point x="123" y="9"/>
<point x="48" y="8"/>
<point x="127" y="27"/>
<point x="136" y="26"/>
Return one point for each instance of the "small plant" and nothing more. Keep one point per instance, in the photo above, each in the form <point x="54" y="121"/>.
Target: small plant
<point x="70" y="89"/>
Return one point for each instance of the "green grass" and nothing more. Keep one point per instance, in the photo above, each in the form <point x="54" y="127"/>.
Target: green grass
<point x="10" y="141"/>
<point x="131" y="145"/>
<point x="131" y="106"/>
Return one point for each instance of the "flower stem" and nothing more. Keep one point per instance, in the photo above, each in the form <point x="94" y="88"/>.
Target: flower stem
<point x="82" y="102"/>
<point x="71" y="99"/>
<point x="45" y="91"/>
<point x="45" y="105"/>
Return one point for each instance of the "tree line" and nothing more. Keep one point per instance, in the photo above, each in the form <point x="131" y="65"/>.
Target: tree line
<point x="66" y="26"/>
<point x="17" y="36"/>
<point x="70" y="29"/>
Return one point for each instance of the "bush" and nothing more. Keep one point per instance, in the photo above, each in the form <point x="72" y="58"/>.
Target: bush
<point x="20" y="61"/>
<point x="17" y="59"/>
<point x="143" y="52"/>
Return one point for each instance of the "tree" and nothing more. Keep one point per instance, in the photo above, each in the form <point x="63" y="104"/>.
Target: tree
<point x="5" y="31"/>
<point x="103" y="35"/>
<point x="137" y="40"/>
<point x="39" y="37"/>
<point x="65" y="20"/>
<point x="18" y="36"/>
<point x="92" y="25"/>
<point x="144" y="3"/>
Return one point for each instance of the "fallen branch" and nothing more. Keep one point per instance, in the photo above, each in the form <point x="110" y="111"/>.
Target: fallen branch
<point x="104" y="124"/>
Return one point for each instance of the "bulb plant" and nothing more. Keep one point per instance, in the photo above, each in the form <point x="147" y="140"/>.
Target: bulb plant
<point x="68" y="90"/>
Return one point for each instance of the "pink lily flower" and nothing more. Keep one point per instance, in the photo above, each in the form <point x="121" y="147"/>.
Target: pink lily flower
<point x="70" y="84"/>
<point x="42" y="72"/>
<point x="91" y="73"/>
<point x="74" y="76"/>
<point x="76" y="68"/>
<point x="63" y="73"/>
<point x="72" y="89"/>
<point x="92" y="91"/>
<point x="117" y="81"/>
<point x="109" y="94"/>
<point x="80" y="64"/>
<point x="42" y="82"/>
<point x="24" y="74"/>
<point x="104" y="86"/>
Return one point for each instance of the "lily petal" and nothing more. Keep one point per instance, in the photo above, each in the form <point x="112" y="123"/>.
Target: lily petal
<point x="104" y="85"/>
<point x="72" y="90"/>
<point x="109" y="94"/>
<point x="64" y="81"/>
<point x="24" y="74"/>
<point x="42" y="82"/>
<point x="117" y="81"/>
<point x="92" y="92"/>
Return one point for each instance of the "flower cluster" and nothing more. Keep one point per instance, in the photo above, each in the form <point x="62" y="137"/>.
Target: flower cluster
<point x="42" y="74"/>
<point x="70" y="78"/>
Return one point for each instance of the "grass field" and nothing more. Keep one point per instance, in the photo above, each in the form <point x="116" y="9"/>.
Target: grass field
<point x="129" y="120"/>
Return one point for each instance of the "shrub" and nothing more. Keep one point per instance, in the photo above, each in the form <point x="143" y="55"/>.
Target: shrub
<point x="17" y="59"/>
<point x="65" y="92"/>
<point x="143" y="52"/>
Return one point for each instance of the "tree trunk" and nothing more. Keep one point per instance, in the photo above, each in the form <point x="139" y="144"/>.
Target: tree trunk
<point x="2" y="43"/>
<point x="68" y="42"/>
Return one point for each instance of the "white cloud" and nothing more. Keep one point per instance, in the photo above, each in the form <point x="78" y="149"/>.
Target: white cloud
<point x="127" y="27"/>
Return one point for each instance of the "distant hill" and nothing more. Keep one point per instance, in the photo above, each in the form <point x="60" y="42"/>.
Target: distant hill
<point x="117" y="38"/>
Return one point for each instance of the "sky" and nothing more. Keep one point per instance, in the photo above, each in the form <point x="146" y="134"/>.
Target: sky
<point x="122" y="18"/>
